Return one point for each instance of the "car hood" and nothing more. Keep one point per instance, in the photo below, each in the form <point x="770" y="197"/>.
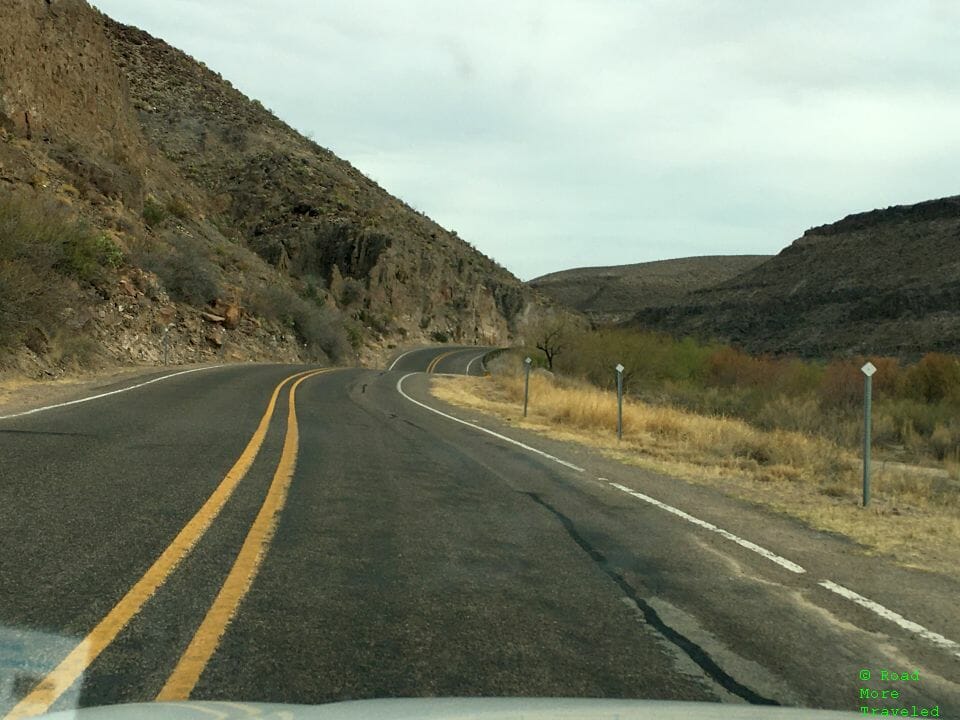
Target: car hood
<point x="449" y="709"/>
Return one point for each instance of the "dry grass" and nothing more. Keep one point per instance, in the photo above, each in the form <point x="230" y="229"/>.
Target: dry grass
<point x="914" y="516"/>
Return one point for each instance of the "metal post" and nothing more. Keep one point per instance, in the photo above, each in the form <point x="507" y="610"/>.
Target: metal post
<point x="868" y="370"/>
<point x="526" y="385"/>
<point x="166" y="330"/>
<point x="619" y="370"/>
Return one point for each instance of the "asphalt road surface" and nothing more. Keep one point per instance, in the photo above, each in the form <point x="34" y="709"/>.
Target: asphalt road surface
<point x="204" y="536"/>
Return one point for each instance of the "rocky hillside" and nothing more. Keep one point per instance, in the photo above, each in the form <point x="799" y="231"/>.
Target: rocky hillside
<point x="613" y="294"/>
<point x="140" y="191"/>
<point x="881" y="282"/>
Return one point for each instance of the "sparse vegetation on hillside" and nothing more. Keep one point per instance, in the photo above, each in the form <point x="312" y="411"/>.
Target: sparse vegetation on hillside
<point x="304" y="211"/>
<point x="882" y="282"/>
<point x="185" y="270"/>
<point x="41" y="246"/>
<point x="319" y="327"/>
<point x="609" y="294"/>
<point x="195" y="195"/>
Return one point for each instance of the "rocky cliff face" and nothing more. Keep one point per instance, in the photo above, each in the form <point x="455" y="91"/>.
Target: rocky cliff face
<point x="883" y="282"/>
<point x="309" y="213"/>
<point x="198" y="203"/>
<point x="60" y="88"/>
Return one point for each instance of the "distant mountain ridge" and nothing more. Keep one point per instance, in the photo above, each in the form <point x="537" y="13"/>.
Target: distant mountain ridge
<point x="880" y="282"/>
<point x="614" y="293"/>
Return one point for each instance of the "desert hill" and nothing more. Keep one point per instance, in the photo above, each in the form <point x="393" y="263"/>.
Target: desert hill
<point x="612" y="294"/>
<point x="880" y="282"/>
<point x="139" y="190"/>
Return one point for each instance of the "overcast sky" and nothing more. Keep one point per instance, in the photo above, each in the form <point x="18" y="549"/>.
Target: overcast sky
<point x="566" y="134"/>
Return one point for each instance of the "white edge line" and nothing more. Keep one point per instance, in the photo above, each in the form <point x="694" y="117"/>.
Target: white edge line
<point x="483" y="429"/>
<point x="875" y="607"/>
<point x="888" y="614"/>
<point x="473" y="361"/>
<point x="773" y="557"/>
<point x="401" y="358"/>
<point x="107" y="394"/>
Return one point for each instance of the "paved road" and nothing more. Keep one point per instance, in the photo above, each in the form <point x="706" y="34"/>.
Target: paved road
<point x="195" y="538"/>
<point x="458" y="360"/>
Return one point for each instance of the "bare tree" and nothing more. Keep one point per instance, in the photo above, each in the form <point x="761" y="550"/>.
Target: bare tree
<point x="550" y="331"/>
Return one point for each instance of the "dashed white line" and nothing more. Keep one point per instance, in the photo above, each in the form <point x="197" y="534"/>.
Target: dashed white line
<point x="887" y="614"/>
<point x="483" y="429"/>
<point x="772" y="556"/>
<point x="107" y="394"/>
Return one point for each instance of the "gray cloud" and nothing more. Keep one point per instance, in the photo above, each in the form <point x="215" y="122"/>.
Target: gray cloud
<point x="580" y="133"/>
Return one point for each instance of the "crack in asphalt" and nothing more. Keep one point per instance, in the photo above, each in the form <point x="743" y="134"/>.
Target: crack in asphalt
<point x="690" y="648"/>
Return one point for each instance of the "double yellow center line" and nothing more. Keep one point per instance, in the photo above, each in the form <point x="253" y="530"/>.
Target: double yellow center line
<point x="433" y="363"/>
<point x="238" y="582"/>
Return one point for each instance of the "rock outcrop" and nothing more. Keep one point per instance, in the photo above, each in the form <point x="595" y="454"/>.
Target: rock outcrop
<point x="885" y="282"/>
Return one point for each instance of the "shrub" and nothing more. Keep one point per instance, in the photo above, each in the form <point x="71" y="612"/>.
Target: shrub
<point x="74" y="350"/>
<point x="178" y="207"/>
<point x="649" y="359"/>
<point x="153" y="212"/>
<point x="27" y="298"/>
<point x="842" y="384"/>
<point x="934" y="378"/>
<point x="184" y="271"/>
<point x="915" y="407"/>
<point x="888" y="378"/>
<point x="40" y="242"/>
<point x="321" y="329"/>
<point x="316" y="288"/>
<point x="86" y="255"/>
<point x="351" y="291"/>
<point x="440" y="336"/>
<point x="376" y="322"/>
<point x="354" y="336"/>
<point x="729" y="367"/>
<point x="944" y="441"/>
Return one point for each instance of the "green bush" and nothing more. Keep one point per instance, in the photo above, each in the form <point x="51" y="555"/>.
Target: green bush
<point x="184" y="271"/>
<point x="40" y="243"/>
<point x="87" y="255"/>
<point x="354" y="335"/>
<point x="316" y="288"/>
<point x="178" y="207"/>
<point x="153" y="213"/>
<point x="321" y="329"/>
<point x="649" y="359"/>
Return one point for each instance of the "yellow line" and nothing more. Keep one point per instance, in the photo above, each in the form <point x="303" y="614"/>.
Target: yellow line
<point x="204" y="643"/>
<point x="75" y="664"/>
<point x="433" y="365"/>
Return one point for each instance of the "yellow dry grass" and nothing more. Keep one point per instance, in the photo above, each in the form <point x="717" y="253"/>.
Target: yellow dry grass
<point x="914" y="516"/>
